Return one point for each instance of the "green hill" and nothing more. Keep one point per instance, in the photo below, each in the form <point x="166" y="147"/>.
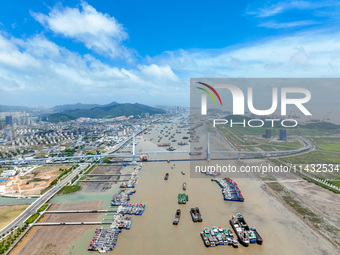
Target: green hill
<point x="107" y="111"/>
<point x="7" y="108"/>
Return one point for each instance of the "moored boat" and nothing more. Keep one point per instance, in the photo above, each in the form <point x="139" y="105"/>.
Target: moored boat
<point x="193" y="215"/>
<point x="259" y="239"/>
<point x="198" y="213"/>
<point x="240" y="233"/>
<point x="177" y="217"/>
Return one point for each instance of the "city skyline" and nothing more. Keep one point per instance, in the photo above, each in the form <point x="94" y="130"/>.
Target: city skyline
<point x="67" y="52"/>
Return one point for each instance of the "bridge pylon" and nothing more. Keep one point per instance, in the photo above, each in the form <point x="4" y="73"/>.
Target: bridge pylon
<point x="133" y="148"/>
<point x="208" y="146"/>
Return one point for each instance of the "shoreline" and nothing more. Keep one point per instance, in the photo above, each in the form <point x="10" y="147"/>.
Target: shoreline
<point x="274" y="194"/>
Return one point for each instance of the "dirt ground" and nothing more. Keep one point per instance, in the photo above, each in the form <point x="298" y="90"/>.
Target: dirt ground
<point x="101" y="169"/>
<point x="322" y="202"/>
<point x="44" y="240"/>
<point x="33" y="182"/>
<point x="9" y="213"/>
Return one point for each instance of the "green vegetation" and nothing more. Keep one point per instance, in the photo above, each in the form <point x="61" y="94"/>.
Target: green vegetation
<point x="64" y="173"/>
<point x="327" y="143"/>
<point x="75" y="178"/>
<point x="106" y="160"/>
<point x="9" y="240"/>
<point x="314" y="157"/>
<point x="43" y="208"/>
<point x="108" y="111"/>
<point x="90" y="168"/>
<point x="243" y="141"/>
<point x="335" y="182"/>
<point x="32" y="218"/>
<point x="69" y="152"/>
<point x="69" y="189"/>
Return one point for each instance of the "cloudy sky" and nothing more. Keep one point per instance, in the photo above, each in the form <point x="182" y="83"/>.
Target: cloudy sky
<point x="58" y="52"/>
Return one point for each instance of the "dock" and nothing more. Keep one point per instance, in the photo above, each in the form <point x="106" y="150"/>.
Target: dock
<point x="71" y="223"/>
<point x="81" y="211"/>
<point x="107" y="174"/>
<point x="103" y="180"/>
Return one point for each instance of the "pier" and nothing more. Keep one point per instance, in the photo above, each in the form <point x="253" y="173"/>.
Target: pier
<point x="103" y="180"/>
<point x="107" y="174"/>
<point x="71" y="223"/>
<point x="81" y="211"/>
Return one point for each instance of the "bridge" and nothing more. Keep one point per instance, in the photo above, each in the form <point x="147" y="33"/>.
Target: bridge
<point x="107" y="174"/>
<point x="71" y="223"/>
<point x="103" y="180"/>
<point x="235" y="154"/>
<point x="80" y="211"/>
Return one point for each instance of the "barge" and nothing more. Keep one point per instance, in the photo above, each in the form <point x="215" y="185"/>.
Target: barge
<point x="182" y="198"/>
<point x="241" y="234"/>
<point x="177" y="217"/>
<point x="163" y="145"/>
<point x="196" y="215"/>
<point x="218" y="236"/>
<point x="259" y="239"/>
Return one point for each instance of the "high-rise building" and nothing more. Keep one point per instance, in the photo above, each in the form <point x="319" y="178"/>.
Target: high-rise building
<point x="9" y="121"/>
<point x="9" y="134"/>
<point x="283" y="135"/>
<point x="267" y="134"/>
<point x="1" y="126"/>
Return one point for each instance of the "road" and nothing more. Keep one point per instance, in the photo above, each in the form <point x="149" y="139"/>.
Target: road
<point x="32" y="209"/>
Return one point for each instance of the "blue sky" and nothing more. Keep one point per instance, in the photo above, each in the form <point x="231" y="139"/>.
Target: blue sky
<point x="57" y="52"/>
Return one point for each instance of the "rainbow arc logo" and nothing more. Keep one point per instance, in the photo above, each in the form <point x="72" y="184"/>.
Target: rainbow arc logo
<point x="209" y="93"/>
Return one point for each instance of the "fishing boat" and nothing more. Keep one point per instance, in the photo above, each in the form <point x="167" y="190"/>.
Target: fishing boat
<point x="230" y="189"/>
<point x="195" y="153"/>
<point x="240" y="233"/>
<point x="177" y="217"/>
<point x="163" y="144"/>
<point x="198" y="213"/>
<point x="243" y="224"/>
<point x="205" y="240"/>
<point x="259" y="239"/>
<point x="182" y="173"/>
<point x="166" y="177"/>
<point x="182" y="198"/>
<point x="144" y="157"/>
<point x="184" y="185"/>
<point x="234" y="242"/>
<point x="193" y="215"/>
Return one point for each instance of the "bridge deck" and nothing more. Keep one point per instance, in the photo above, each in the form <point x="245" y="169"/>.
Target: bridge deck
<point x="80" y="211"/>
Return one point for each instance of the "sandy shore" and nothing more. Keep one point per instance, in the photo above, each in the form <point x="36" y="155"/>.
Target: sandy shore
<point x="56" y="240"/>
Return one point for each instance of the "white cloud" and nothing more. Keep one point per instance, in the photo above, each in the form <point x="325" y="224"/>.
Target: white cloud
<point x="273" y="9"/>
<point x="303" y="55"/>
<point x="276" y="25"/>
<point x="99" y="32"/>
<point x="37" y="66"/>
